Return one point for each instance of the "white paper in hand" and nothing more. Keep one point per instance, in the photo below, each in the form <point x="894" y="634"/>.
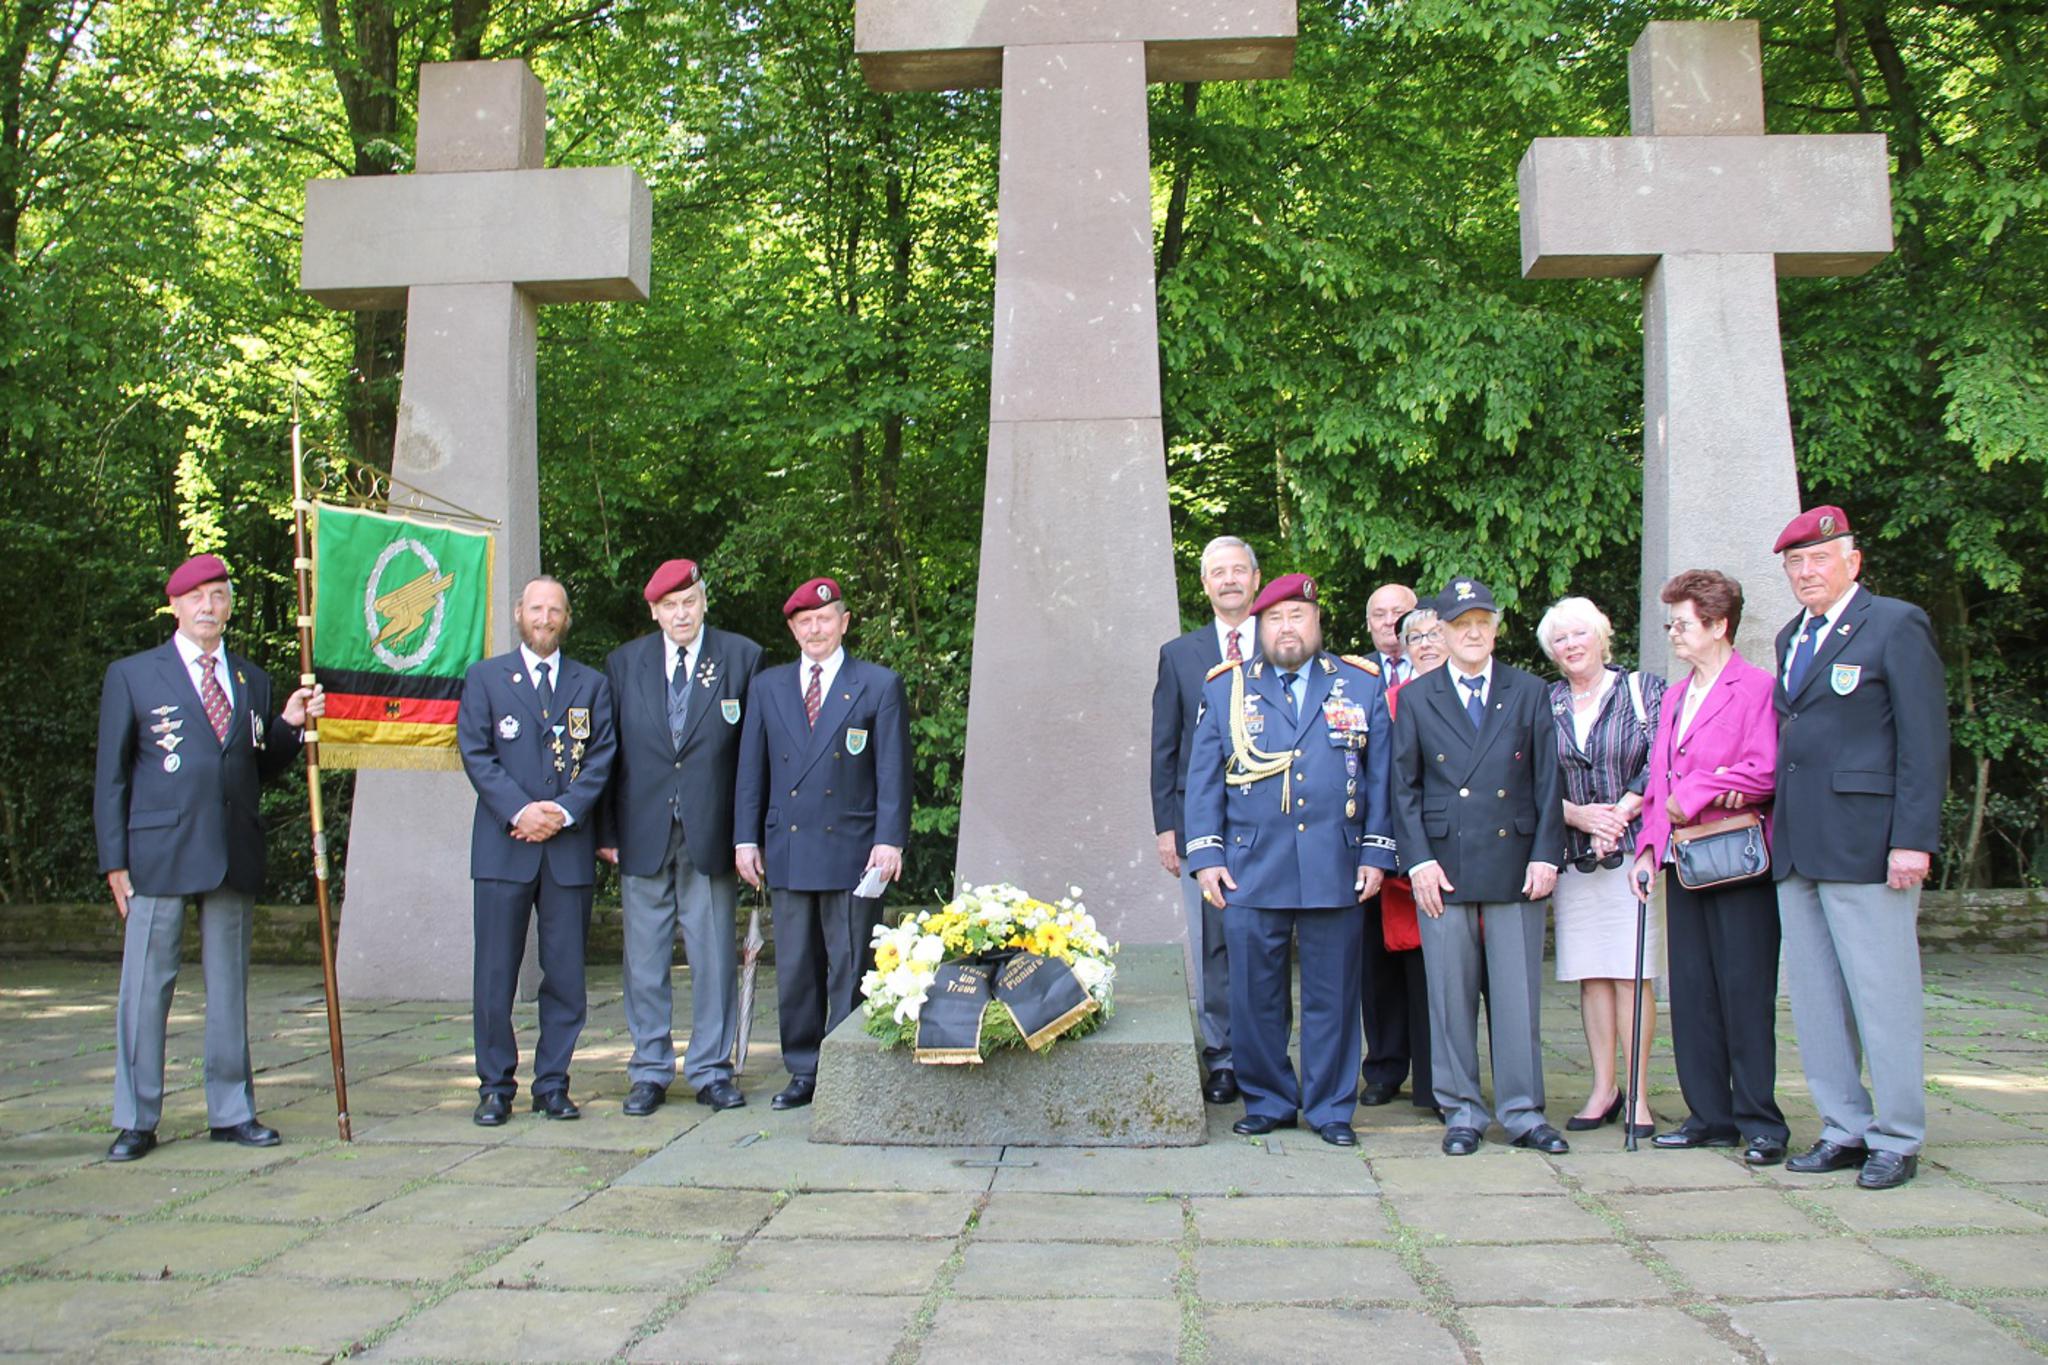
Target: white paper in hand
<point x="871" y="885"/>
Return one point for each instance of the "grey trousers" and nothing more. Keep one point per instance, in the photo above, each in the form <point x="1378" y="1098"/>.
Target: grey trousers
<point x="149" y="971"/>
<point x="1210" y="975"/>
<point x="679" y="896"/>
<point x="1512" y="946"/>
<point x="1852" y="967"/>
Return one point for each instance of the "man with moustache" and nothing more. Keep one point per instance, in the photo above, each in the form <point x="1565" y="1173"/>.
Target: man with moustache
<point x="678" y="695"/>
<point x="1479" y="815"/>
<point x="821" y="804"/>
<point x="537" y="741"/>
<point x="1862" y="770"/>
<point x="1383" y="997"/>
<point x="1288" y="831"/>
<point x="1230" y="578"/>
<point x="186" y="738"/>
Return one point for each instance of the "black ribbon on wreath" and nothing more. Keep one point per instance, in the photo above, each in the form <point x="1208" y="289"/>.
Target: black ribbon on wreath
<point x="1042" y="994"/>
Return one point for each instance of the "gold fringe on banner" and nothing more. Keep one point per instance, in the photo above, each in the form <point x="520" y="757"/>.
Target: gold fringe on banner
<point x="386" y="756"/>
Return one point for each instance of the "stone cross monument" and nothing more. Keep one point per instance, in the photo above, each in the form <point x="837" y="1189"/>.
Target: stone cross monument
<point x="470" y="245"/>
<point x="1710" y="211"/>
<point x="1077" y="587"/>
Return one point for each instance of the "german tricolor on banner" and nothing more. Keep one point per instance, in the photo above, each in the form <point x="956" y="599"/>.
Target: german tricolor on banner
<point x="401" y="609"/>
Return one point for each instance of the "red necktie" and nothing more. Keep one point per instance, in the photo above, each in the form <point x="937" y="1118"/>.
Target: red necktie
<point x="214" y="698"/>
<point x="1236" y="654"/>
<point x="813" y="695"/>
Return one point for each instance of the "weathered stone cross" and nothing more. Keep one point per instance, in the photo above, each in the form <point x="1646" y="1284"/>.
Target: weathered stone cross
<point x="1077" y="587"/>
<point x="1711" y="211"/>
<point x="469" y="246"/>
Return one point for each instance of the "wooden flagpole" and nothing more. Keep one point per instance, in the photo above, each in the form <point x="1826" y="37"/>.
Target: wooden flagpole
<point x="302" y="563"/>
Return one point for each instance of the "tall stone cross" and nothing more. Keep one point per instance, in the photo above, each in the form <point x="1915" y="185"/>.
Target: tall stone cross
<point x="1077" y="574"/>
<point x="470" y="245"/>
<point x="1711" y="211"/>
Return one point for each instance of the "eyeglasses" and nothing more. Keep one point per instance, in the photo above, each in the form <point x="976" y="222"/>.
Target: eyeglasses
<point x="1586" y="862"/>
<point x="1679" y="627"/>
<point x="1427" y="637"/>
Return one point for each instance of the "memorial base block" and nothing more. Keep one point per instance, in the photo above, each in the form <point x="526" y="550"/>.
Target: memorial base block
<point x="1134" y="1083"/>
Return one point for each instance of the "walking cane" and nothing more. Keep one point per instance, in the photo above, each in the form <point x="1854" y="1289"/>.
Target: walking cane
<point x="1635" y="1020"/>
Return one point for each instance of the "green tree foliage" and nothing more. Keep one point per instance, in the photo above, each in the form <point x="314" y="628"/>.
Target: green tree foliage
<point x="1356" y="378"/>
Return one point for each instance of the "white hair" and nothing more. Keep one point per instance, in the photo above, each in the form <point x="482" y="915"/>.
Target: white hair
<point x="1228" y="543"/>
<point x="1567" y="610"/>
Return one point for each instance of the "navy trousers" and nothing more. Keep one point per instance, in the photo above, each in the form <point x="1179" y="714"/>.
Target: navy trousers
<point x="502" y="912"/>
<point x="1261" y="1010"/>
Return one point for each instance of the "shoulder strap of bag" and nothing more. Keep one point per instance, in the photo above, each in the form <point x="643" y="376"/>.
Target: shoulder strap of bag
<point x="1635" y="695"/>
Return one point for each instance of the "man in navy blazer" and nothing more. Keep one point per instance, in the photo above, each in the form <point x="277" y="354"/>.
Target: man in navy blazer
<point x="537" y="740"/>
<point x="1479" y="815"/>
<point x="1288" y="832"/>
<point x="666" y="822"/>
<point x="1862" y="769"/>
<point x="187" y="736"/>
<point x="822" y="800"/>
<point x="1230" y="578"/>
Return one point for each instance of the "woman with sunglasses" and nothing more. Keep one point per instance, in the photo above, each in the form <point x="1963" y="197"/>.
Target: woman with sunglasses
<point x="1717" y="750"/>
<point x="1605" y="718"/>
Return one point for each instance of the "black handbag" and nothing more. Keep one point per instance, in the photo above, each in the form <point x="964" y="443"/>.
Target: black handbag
<point x="1720" y="851"/>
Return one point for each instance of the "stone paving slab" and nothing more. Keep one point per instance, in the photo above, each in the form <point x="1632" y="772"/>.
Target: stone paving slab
<point x="1931" y="1201"/>
<point x="1074" y="1270"/>
<point x="187" y="1249"/>
<point x="595" y="1260"/>
<point x="1301" y="1275"/>
<point x="1594" y="1336"/>
<point x="63" y="1316"/>
<point x="1806" y="1267"/>
<point x="1877" y="1331"/>
<point x="502" y="1206"/>
<point x="25" y="1239"/>
<point x="520" y="1325"/>
<point x="368" y="1251"/>
<point x="1714" y="1213"/>
<point x="668" y="1213"/>
<point x="889" y="1268"/>
<point x="1080" y="1218"/>
<point x="1345" y="1219"/>
<point x="1295" y="1165"/>
<point x="1563" y="1274"/>
<point x="779" y="1329"/>
<point x="255" y="1313"/>
<point x="1137" y="1331"/>
<point x="1250" y="1336"/>
<point x="1973" y="1264"/>
<point x="1507" y="1218"/>
<point x="866" y="1214"/>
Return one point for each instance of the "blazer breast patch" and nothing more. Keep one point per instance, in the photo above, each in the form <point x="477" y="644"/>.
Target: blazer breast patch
<point x="856" y="741"/>
<point x="508" y="728"/>
<point x="729" y="709"/>
<point x="1844" y="677"/>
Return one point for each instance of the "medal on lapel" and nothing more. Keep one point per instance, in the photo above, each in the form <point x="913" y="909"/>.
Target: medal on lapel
<point x="707" y="673"/>
<point x="508" y="728"/>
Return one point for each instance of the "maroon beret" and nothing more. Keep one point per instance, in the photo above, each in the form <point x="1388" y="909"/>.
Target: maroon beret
<point x="195" y="571"/>
<point x="1293" y="587"/>
<point x="1812" y="528"/>
<point x="673" y="576"/>
<point x="817" y="592"/>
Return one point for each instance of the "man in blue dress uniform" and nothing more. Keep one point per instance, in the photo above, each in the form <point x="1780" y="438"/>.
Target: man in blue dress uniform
<point x="821" y="805"/>
<point x="537" y="740"/>
<point x="1288" y="831"/>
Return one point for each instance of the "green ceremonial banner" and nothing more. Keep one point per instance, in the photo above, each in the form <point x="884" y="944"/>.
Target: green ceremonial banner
<point x="401" y="609"/>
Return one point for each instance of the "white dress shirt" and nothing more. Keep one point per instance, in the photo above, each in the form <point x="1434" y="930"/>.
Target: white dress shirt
<point x="825" y="679"/>
<point x="672" y="654"/>
<point x="1827" y="623"/>
<point x="191" y="654"/>
<point x="554" y="663"/>
<point x="1247" y="632"/>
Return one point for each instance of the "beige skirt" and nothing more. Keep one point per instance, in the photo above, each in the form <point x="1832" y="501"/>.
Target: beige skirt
<point x="1596" y="927"/>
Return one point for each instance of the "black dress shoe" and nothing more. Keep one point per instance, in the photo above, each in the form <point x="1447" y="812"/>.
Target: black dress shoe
<point x="1377" y="1093"/>
<point x="643" y="1098"/>
<point x="1827" y="1156"/>
<point x="556" y="1104"/>
<point x="721" y="1094"/>
<point x="1338" y="1134"/>
<point x="132" y="1144"/>
<point x="1258" y="1125"/>
<point x="1764" y="1150"/>
<point x="1221" y="1087"/>
<point x="492" y="1110"/>
<point x="1682" y="1139"/>
<point x="248" y="1132"/>
<point x="796" y="1094"/>
<point x="1544" y="1138"/>
<point x="1887" y="1170"/>
<point x="1578" y="1123"/>
<point x="1461" y="1141"/>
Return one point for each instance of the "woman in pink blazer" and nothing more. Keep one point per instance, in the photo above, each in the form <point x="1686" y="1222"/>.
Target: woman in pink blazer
<point x="1716" y="749"/>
